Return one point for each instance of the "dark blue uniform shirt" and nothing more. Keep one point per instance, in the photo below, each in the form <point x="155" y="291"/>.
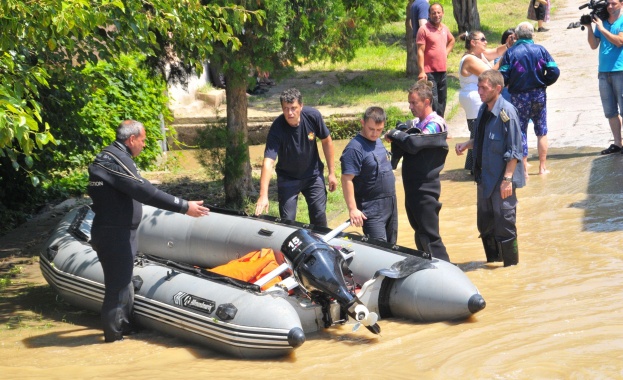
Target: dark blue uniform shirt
<point x="296" y="146"/>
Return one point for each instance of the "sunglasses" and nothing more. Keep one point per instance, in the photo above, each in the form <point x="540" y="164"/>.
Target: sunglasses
<point x="483" y="39"/>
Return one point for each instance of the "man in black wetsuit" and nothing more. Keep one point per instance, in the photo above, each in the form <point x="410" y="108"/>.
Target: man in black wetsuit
<point x="118" y="192"/>
<point x="421" y="143"/>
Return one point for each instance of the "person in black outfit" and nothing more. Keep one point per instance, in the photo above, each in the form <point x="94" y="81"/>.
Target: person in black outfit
<point x="118" y="192"/>
<point x="421" y="143"/>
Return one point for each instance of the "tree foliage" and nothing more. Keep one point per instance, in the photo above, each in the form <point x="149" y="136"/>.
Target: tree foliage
<point x="50" y="37"/>
<point x="44" y="46"/>
<point x="288" y="34"/>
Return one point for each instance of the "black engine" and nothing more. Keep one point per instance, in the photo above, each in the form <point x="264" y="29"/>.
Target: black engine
<point x="320" y="269"/>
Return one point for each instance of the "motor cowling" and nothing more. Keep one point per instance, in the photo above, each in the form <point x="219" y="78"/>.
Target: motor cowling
<point x="317" y="266"/>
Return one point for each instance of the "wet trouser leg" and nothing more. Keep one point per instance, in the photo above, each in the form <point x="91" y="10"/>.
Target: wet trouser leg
<point x="423" y="206"/>
<point x="382" y="219"/>
<point x="496" y="217"/>
<point x="116" y="249"/>
<point x="491" y="248"/>
<point x="315" y="194"/>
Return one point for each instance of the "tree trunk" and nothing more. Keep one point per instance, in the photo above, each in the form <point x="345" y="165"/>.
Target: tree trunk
<point x="237" y="177"/>
<point x="466" y="15"/>
<point x="412" y="68"/>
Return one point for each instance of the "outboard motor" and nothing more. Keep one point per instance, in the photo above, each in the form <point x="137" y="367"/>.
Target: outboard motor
<point x="319" y="268"/>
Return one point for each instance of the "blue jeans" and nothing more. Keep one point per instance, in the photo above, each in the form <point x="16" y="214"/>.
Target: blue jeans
<point x="611" y="92"/>
<point x="315" y="194"/>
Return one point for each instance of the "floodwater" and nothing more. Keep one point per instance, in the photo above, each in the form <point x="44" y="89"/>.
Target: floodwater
<point x="556" y="315"/>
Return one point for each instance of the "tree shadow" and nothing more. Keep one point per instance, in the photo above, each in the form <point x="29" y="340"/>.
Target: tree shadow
<point x="341" y="88"/>
<point x="602" y="206"/>
<point x="26" y="306"/>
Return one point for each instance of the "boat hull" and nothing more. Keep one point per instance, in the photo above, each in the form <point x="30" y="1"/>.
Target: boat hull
<point x="234" y="321"/>
<point x="432" y="290"/>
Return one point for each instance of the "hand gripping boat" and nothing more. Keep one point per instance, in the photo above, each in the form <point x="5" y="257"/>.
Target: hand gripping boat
<point x="335" y="276"/>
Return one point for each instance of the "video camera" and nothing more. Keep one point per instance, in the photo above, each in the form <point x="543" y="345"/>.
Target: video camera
<point x="599" y="8"/>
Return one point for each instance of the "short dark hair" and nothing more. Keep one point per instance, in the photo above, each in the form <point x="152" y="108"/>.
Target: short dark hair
<point x="290" y="95"/>
<point x="375" y="113"/>
<point x="494" y="77"/>
<point x="507" y="33"/>
<point x="435" y="3"/>
<point x="129" y="128"/>
<point x="423" y="89"/>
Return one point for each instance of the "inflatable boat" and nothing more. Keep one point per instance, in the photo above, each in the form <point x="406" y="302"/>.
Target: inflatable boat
<point x="326" y="278"/>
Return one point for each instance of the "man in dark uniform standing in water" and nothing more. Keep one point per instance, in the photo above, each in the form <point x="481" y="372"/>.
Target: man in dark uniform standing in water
<point x="118" y="192"/>
<point x="421" y="143"/>
<point x="292" y="138"/>
<point x="368" y="181"/>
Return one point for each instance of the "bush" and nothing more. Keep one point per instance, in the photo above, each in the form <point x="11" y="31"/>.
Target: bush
<point x="83" y="109"/>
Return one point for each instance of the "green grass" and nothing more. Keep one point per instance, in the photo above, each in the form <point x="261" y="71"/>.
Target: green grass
<point x="376" y="76"/>
<point x="6" y="278"/>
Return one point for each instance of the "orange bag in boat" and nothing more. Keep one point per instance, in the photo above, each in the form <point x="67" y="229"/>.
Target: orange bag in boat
<point x="251" y="267"/>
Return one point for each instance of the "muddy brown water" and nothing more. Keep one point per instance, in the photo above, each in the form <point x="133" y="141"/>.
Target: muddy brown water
<point x="556" y="315"/>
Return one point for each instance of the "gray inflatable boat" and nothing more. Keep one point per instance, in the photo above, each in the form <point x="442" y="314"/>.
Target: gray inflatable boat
<point x="360" y="281"/>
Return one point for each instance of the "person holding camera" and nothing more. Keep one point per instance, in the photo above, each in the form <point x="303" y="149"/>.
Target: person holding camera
<point x="368" y="182"/>
<point x="608" y="36"/>
<point x="421" y="143"/>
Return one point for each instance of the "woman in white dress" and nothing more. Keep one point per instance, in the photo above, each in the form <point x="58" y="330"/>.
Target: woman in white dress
<point x="477" y="58"/>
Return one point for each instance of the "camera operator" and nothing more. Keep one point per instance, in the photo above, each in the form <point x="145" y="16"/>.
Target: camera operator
<point x="608" y="35"/>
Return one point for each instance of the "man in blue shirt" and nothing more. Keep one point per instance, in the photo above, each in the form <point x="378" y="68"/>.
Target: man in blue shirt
<point x="368" y="182"/>
<point x="608" y="35"/>
<point x="292" y="138"/>
<point x="498" y="171"/>
<point x="419" y="15"/>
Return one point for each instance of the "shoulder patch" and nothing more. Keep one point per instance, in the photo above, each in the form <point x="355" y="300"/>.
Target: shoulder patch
<point x="504" y="116"/>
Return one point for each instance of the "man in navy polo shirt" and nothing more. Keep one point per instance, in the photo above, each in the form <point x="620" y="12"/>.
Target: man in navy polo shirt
<point x="292" y="138"/>
<point x="368" y="182"/>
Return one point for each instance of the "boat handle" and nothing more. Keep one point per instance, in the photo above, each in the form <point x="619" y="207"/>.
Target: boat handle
<point x="265" y="232"/>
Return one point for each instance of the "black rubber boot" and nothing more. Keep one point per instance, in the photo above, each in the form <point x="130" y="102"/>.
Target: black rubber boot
<point x="491" y="248"/>
<point x="116" y="313"/>
<point x="510" y="251"/>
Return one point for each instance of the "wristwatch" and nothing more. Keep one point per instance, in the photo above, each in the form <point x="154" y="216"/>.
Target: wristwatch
<point x="507" y="179"/>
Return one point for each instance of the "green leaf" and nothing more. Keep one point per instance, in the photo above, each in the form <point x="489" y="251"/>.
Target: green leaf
<point x="34" y="180"/>
<point x="42" y="139"/>
<point x="28" y="161"/>
<point x="51" y="44"/>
